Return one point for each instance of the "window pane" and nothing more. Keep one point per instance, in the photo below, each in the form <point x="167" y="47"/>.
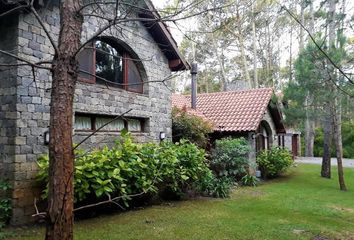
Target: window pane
<point x="134" y="125"/>
<point x="109" y="64"/>
<point x="134" y="79"/>
<point x="82" y="123"/>
<point x="116" y="125"/>
<point x="85" y="58"/>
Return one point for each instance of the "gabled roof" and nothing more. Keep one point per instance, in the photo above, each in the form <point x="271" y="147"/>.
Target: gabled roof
<point x="238" y="111"/>
<point x="181" y="102"/>
<point x="158" y="29"/>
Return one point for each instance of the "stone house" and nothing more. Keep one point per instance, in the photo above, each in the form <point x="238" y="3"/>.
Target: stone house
<point x="246" y="113"/>
<point x="119" y="70"/>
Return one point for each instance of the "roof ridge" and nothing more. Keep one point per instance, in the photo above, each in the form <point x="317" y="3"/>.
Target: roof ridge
<point x="236" y="91"/>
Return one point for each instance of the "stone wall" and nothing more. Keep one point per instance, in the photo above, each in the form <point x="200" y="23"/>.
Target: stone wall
<point x="8" y="114"/>
<point x="29" y="107"/>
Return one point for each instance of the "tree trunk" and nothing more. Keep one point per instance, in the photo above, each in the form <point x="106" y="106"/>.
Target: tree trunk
<point x="254" y="48"/>
<point x="309" y="129"/>
<point x="337" y="110"/>
<point x="239" y="36"/>
<point x="244" y="60"/>
<point x="309" y="121"/>
<point x="302" y="19"/>
<point x="61" y="157"/>
<point x="291" y="55"/>
<point x="337" y="121"/>
<point x="327" y="135"/>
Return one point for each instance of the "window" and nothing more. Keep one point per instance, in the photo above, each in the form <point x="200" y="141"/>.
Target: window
<point x="106" y="62"/>
<point x="91" y="122"/>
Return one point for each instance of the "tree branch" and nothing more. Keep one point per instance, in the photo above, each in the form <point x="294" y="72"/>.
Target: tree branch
<point x="44" y="28"/>
<point x="27" y="62"/>
<point x="15" y="9"/>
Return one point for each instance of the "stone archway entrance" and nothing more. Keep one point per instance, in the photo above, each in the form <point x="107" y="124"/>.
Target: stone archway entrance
<point x="264" y="139"/>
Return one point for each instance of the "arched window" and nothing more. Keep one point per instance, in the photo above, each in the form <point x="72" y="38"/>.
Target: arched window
<point x="107" y="62"/>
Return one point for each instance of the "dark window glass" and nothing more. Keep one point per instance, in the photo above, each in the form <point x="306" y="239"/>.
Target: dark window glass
<point x="109" y="64"/>
<point x="134" y="79"/>
<point x="86" y="63"/>
<point x="100" y="62"/>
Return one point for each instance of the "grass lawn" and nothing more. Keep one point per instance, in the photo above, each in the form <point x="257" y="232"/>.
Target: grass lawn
<point x="299" y="206"/>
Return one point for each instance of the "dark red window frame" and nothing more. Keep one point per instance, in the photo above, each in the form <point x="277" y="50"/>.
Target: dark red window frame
<point x="125" y="85"/>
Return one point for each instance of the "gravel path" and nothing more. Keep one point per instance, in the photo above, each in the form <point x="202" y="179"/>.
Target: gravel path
<point x="316" y="160"/>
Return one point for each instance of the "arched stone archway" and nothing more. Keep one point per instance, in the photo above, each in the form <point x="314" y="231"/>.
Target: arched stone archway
<point x="264" y="139"/>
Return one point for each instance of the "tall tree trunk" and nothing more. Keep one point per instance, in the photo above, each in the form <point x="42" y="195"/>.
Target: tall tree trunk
<point x="239" y="37"/>
<point x="337" y="121"/>
<point x="309" y="128"/>
<point x="291" y="55"/>
<point x="302" y="19"/>
<point x="254" y="48"/>
<point x="219" y="57"/>
<point x="309" y="121"/>
<point x="337" y="116"/>
<point x="327" y="136"/>
<point x="243" y="57"/>
<point x="61" y="157"/>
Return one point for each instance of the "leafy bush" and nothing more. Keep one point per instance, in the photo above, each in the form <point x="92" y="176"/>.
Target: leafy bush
<point x="230" y="157"/>
<point x="5" y="207"/>
<point x="219" y="187"/>
<point x="249" y="180"/>
<point x="274" y="162"/>
<point x="187" y="126"/>
<point x="130" y="168"/>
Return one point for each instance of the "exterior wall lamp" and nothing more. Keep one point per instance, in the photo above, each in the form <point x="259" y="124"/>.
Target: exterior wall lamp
<point x="46" y="137"/>
<point x="162" y="136"/>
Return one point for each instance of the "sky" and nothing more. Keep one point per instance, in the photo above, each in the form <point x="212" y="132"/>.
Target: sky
<point x="177" y="35"/>
<point x="158" y="3"/>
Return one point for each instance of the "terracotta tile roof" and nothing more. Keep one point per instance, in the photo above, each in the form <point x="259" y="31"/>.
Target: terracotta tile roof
<point x="231" y="111"/>
<point x="182" y="102"/>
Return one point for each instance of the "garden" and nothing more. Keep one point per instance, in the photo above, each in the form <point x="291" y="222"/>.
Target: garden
<point x="154" y="177"/>
<point x="299" y="205"/>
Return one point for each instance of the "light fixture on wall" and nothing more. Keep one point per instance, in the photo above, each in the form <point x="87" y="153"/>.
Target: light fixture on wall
<point x="255" y="135"/>
<point x="162" y="136"/>
<point x="46" y="137"/>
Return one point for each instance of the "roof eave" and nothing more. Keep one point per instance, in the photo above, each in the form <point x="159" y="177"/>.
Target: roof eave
<point x="162" y="35"/>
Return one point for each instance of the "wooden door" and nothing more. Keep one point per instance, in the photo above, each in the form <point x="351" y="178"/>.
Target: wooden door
<point x="295" y="145"/>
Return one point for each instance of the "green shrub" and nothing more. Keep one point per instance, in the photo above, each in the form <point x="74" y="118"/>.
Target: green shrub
<point x="274" y="162"/>
<point x="5" y="202"/>
<point x="217" y="187"/>
<point x="249" y="180"/>
<point x="230" y="157"/>
<point x="187" y="126"/>
<point x="130" y="168"/>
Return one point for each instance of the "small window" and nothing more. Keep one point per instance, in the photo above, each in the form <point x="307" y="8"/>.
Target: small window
<point x="134" y="125"/>
<point x="116" y="125"/>
<point x="82" y="123"/>
<point x="107" y="63"/>
<point x="91" y="122"/>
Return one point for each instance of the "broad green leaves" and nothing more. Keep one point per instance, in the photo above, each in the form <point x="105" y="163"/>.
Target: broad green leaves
<point x="129" y="168"/>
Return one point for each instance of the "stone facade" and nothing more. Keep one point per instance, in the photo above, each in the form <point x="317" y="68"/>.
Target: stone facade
<point x="25" y="103"/>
